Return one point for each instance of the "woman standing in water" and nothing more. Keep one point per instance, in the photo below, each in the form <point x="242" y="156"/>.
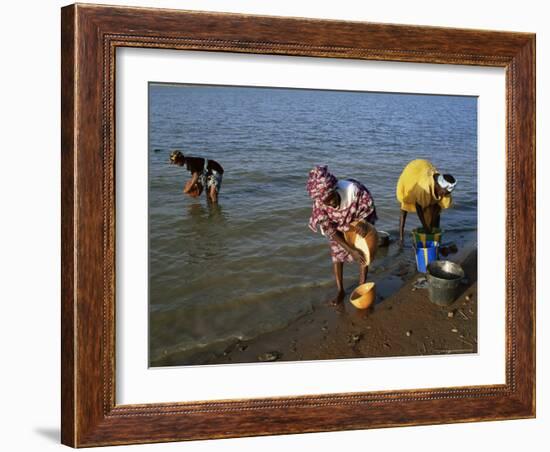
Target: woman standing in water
<point x="205" y="174"/>
<point x="422" y="189"/>
<point x="340" y="209"/>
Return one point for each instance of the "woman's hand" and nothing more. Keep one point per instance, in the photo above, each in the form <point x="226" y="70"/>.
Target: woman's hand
<point x="362" y="229"/>
<point x="190" y="185"/>
<point x="358" y="256"/>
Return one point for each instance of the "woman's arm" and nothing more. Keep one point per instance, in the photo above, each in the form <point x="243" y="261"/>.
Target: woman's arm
<point x="436" y="212"/>
<point x="194" y="180"/>
<point x="361" y="228"/>
<point x="420" y="212"/>
<point x="338" y="237"/>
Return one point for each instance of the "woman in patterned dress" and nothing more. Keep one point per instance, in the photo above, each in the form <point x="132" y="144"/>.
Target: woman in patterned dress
<point x="340" y="207"/>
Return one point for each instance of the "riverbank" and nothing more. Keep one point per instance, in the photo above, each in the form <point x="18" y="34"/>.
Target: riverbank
<point x="404" y="324"/>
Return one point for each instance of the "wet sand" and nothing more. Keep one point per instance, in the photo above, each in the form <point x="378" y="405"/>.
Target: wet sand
<point x="404" y="324"/>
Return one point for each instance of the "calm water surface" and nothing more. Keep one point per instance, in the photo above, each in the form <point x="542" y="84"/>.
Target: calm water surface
<point x="250" y="264"/>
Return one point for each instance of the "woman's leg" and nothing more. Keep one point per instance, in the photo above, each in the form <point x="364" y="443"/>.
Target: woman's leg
<point x="338" y="269"/>
<point x="402" y="220"/>
<point x="213" y="194"/>
<point x="363" y="272"/>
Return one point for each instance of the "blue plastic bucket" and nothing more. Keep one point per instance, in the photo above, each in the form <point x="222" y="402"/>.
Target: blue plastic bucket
<point x="425" y="253"/>
<point x="420" y="236"/>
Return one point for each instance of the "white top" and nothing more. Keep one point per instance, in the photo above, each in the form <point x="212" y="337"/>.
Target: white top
<point x="347" y="191"/>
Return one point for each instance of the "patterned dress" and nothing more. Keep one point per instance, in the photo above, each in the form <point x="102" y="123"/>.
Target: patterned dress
<point x="330" y="220"/>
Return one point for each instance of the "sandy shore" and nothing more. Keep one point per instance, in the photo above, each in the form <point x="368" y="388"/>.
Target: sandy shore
<point x="404" y="324"/>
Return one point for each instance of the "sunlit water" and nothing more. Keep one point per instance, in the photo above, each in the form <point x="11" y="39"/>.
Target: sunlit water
<point x="251" y="265"/>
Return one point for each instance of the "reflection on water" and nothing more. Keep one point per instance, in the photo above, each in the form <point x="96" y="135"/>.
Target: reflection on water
<point x="199" y="211"/>
<point x="249" y="264"/>
<point x="208" y="223"/>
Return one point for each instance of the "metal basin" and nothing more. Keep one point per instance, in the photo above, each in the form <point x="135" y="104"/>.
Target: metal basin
<point x="384" y="239"/>
<point x="444" y="282"/>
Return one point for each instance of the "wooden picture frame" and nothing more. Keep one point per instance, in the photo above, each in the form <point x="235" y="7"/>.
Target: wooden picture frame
<point x="90" y="36"/>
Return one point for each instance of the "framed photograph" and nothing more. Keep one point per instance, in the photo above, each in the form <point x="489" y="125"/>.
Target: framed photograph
<point x="282" y="225"/>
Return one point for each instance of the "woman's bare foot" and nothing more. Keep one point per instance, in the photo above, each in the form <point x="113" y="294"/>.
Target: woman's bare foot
<point x="338" y="299"/>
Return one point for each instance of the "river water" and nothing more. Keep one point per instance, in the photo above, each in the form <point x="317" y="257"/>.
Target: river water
<point x="250" y="265"/>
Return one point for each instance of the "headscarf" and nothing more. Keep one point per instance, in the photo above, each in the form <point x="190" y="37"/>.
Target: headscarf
<point x="330" y="219"/>
<point x="320" y="183"/>
<point x="446" y="184"/>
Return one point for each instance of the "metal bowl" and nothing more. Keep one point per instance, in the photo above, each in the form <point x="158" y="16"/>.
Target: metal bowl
<point x="384" y="238"/>
<point x="445" y="270"/>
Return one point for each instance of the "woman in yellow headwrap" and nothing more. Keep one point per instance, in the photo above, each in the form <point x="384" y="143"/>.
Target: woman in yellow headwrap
<point x="423" y="190"/>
